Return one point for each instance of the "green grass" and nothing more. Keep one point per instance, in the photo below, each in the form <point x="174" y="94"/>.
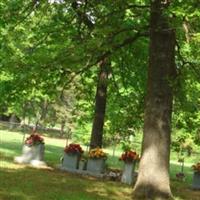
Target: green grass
<point x="19" y="182"/>
<point x="34" y="184"/>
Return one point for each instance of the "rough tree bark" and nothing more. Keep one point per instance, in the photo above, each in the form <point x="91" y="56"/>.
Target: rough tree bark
<point x="153" y="178"/>
<point x="100" y="105"/>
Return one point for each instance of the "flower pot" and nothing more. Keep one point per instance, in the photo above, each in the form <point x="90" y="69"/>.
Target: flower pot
<point x="96" y="165"/>
<point x="196" y="181"/>
<point x="127" y="174"/>
<point x="70" y="161"/>
<point x="29" y="153"/>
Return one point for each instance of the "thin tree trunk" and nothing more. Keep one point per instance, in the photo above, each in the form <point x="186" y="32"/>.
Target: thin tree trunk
<point x="100" y="106"/>
<point x="153" y="178"/>
<point x="62" y="128"/>
<point x="40" y="117"/>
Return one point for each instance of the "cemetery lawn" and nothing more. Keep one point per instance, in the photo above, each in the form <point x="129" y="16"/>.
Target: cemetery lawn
<point x="21" y="182"/>
<point x="25" y="183"/>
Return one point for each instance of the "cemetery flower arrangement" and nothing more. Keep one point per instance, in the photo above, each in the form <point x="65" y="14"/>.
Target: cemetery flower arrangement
<point x="34" y="139"/>
<point x="73" y="149"/>
<point x="180" y="176"/>
<point x="97" y="153"/>
<point x="196" y="167"/>
<point x="129" y="156"/>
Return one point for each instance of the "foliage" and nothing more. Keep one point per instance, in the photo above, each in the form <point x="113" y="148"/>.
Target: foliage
<point x="183" y="143"/>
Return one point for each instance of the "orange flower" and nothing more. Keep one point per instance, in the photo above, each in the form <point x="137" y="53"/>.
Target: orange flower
<point x="97" y="153"/>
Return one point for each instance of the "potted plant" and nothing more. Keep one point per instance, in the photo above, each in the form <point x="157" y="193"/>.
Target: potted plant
<point x="72" y="155"/>
<point x="96" y="161"/>
<point x="130" y="158"/>
<point x="33" y="150"/>
<point x="196" y="176"/>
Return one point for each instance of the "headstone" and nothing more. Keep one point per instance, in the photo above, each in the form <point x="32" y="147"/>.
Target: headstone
<point x="127" y="174"/>
<point x="33" y="155"/>
<point x="196" y="181"/>
<point x="96" y="165"/>
<point x="70" y="161"/>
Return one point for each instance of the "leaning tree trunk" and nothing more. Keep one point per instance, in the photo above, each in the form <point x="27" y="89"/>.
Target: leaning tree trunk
<point x="153" y="178"/>
<point x="100" y="106"/>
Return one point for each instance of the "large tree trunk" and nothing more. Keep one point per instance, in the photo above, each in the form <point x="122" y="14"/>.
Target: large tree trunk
<point x="153" y="178"/>
<point x="100" y="106"/>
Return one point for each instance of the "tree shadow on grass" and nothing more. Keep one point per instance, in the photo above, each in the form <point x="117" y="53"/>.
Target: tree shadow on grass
<point x="33" y="184"/>
<point x="182" y="190"/>
<point x="6" y="196"/>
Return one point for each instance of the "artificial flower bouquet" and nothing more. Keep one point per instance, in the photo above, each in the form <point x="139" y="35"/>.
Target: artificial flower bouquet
<point x="73" y="149"/>
<point x="129" y="156"/>
<point x="97" y="153"/>
<point x="180" y="176"/>
<point x="34" y="139"/>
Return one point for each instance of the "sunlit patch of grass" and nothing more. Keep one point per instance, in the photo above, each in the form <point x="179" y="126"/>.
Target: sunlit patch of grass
<point x="8" y="165"/>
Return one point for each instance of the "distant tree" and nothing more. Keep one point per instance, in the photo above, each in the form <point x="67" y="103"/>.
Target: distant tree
<point x="100" y="104"/>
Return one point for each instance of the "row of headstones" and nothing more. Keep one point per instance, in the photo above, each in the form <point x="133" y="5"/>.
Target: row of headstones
<point x="72" y="162"/>
<point x="95" y="167"/>
<point x="34" y="155"/>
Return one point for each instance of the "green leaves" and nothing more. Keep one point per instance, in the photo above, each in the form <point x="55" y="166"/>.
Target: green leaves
<point x="46" y="46"/>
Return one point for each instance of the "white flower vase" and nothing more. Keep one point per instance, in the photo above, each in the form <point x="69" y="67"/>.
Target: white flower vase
<point x="127" y="174"/>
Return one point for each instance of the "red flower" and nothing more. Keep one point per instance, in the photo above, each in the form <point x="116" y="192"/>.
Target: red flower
<point x="129" y="156"/>
<point x="34" y="139"/>
<point x="73" y="148"/>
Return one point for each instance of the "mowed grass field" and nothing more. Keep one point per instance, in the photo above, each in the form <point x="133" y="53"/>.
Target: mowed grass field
<point x="21" y="182"/>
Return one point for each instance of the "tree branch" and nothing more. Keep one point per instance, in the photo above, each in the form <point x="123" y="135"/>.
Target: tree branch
<point x="184" y="62"/>
<point x="106" y="54"/>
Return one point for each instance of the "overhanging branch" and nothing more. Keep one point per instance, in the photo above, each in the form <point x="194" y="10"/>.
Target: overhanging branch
<point x="188" y="63"/>
<point x="105" y="55"/>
